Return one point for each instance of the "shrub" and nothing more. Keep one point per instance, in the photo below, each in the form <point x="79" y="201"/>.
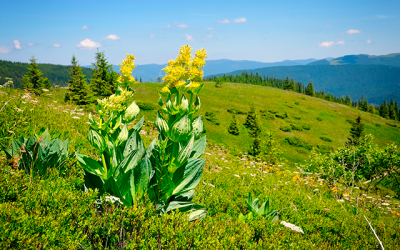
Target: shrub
<point x="147" y="106"/>
<point x="298" y="142"/>
<point x="38" y="153"/>
<point x="306" y="126"/>
<point x="233" y="127"/>
<point x="236" y="111"/>
<point x="296" y="127"/>
<point x="272" y="111"/>
<point x="297" y="118"/>
<point x="391" y="125"/>
<point x="210" y="116"/>
<point x="319" y="118"/>
<point x="267" y="116"/>
<point x="327" y="139"/>
<point x="285" y="128"/>
<point x="297" y="103"/>
<point x="218" y="84"/>
<point x="282" y="115"/>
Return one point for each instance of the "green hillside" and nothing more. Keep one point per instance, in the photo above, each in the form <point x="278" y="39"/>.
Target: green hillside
<point x="57" y="74"/>
<point x="341" y="80"/>
<point x="54" y="211"/>
<point x="389" y="60"/>
<point x="301" y="110"/>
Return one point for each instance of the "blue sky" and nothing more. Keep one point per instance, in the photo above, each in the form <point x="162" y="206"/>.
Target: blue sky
<point x="266" y="31"/>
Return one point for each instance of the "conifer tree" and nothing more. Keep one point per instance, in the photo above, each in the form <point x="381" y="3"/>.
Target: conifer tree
<point x="78" y="91"/>
<point x="33" y="80"/>
<point x="348" y="100"/>
<point x="233" y="127"/>
<point x="252" y="122"/>
<point x="356" y="132"/>
<point x="46" y="83"/>
<point x="102" y="82"/>
<point x="371" y="109"/>
<point x="292" y="86"/>
<point x="310" y="89"/>
<point x="286" y="85"/>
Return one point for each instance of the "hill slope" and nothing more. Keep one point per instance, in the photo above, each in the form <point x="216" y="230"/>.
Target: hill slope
<point x="57" y="74"/>
<point x="389" y="60"/>
<point x="370" y="80"/>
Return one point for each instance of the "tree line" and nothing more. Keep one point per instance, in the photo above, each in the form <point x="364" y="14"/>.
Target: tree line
<point x="386" y="110"/>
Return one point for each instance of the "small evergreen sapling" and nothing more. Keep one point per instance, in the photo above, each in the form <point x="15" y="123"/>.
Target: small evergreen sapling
<point x="233" y="127"/>
<point x="356" y="132"/>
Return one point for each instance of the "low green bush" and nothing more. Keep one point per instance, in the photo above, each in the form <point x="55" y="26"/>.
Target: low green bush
<point x="218" y="84"/>
<point x="319" y="118"/>
<point x="285" y="128"/>
<point x="297" y="118"/>
<point x="267" y="116"/>
<point x="282" y="115"/>
<point x="324" y="138"/>
<point x="306" y="126"/>
<point x="297" y="103"/>
<point x="211" y="117"/>
<point x="237" y="111"/>
<point x="272" y="111"/>
<point x="296" y="127"/>
<point x="392" y="125"/>
<point x="147" y="106"/>
<point x="298" y="142"/>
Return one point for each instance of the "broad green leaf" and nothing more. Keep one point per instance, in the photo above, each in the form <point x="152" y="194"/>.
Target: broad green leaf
<point x="134" y="142"/>
<point x="123" y="135"/>
<point x="96" y="140"/>
<point x="7" y="151"/>
<point x="30" y="144"/>
<point x="16" y="146"/>
<point x="125" y="184"/>
<point x="187" y="196"/>
<point x="142" y="174"/>
<point x="198" y="148"/>
<point x="184" y="105"/>
<point x="179" y="158"/>
<point x="131" y="112"/>
<point x="198" y="127"/>
<point x="93" y="181"/>
<point x="111" y="187"/>
<point x="129" y="162"/>
<point x="139" y="125"/>
<point x="181" y="129"/>
<point x="196" y="211"/>
<point x="188" y="176"/>
<point x="91" y="166"/>
<point x="161" y="124"/>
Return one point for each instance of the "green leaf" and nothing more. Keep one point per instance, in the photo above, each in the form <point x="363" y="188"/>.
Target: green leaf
<point x="181" y="129"/>
<point x="7" y="151"/>
<point x="131" y="112"/>
<point x="96" y="140"/>
<point x="141" y="179"/>
<point x="125" y="184"/>
<point x="198" y="127"/>
<point x="139" y="125"/>
<point x="93" y="181"/>
<point x="129" y="162"/>
<point x="196" y="211"/>
<point x="111" y="187"/>
<point x="134" y="142"/>
<point x="179" y="158"/>
<point x="123" y="135"/>
<point x="91" y="166"/>
<point x="30" y="144"/>
<point x="198" y="148"/>
<point x="184" y="105"/>
<point x="161" y="124"/>
<point x="188" y="176"/>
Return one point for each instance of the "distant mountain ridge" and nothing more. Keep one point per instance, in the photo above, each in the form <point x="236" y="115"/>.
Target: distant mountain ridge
<point x="150" y="72"/>
<point x="389" y="60"/>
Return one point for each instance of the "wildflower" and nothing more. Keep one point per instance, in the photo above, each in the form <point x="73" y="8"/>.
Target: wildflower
<point x="236" y="175"/>
<point x="45" y="90"/>
<point x="334" y="189"/>
<point x="115" y="102"/>
<point x="127" y="67"/>
<point x="346" y="195"/>
<point x="76" y="117"/>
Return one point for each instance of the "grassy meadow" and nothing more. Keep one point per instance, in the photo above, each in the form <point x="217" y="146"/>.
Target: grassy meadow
<point x="53" y="211"/>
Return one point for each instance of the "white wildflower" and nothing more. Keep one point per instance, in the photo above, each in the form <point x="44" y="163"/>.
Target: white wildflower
<point x="54" y="101"/>
<point x="253" y="175"/>
<point x="236" y="175"/>
<point x="45" y="90"/>
<point x="211" y="185"/>
<point x="76" y="117"/>
<point x="292" y="227"/>
<point x="385" y="204"/>
<point x="113" y="199"/>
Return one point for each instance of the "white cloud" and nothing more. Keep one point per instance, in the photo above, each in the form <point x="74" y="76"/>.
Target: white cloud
<point x="208" y="37"/>
<point x="17" y="44"/>
<point x="190" y="38"/>
<point x="85" y="27"/>
<point x="239" y="20"/>
<point x="168" y="26"/>
<point x="151" y="36"/>
<point x="112" y="37"/>
<point x="223" y="21"/>
<point x="6" y="49"/>
<point x="369" y="41"/>
<point x="330" y="44"/>
<point x="30" y="44"/>
<point x="352" y="32"/>
<point x="210" y="28"/>
<point x="182" y="26"/>
<point x="56" y="45"/>
<point x="88" y="44"/>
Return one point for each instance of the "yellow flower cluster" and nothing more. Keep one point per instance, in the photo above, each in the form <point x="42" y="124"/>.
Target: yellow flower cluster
<point x="126" y="70"/>
<point x="185" y="69"/>
<point x="115" y="103"/>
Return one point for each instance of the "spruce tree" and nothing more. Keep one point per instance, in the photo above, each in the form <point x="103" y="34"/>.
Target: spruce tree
<point x="348" y="100"/>
<point x="33" y="81"/>
<point x="356" y="131"/>
<point x="371" y="109"/>
<point x="78" y="91"/>
<point x="286" y="85"/>
<point x="252" y="122"/>
<point x="292" y="85"/>
<point x="310" y="89"/>
<point x="233" y="127"/>
<point x="46" y="83"/>
<point x="102" y="82"/>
